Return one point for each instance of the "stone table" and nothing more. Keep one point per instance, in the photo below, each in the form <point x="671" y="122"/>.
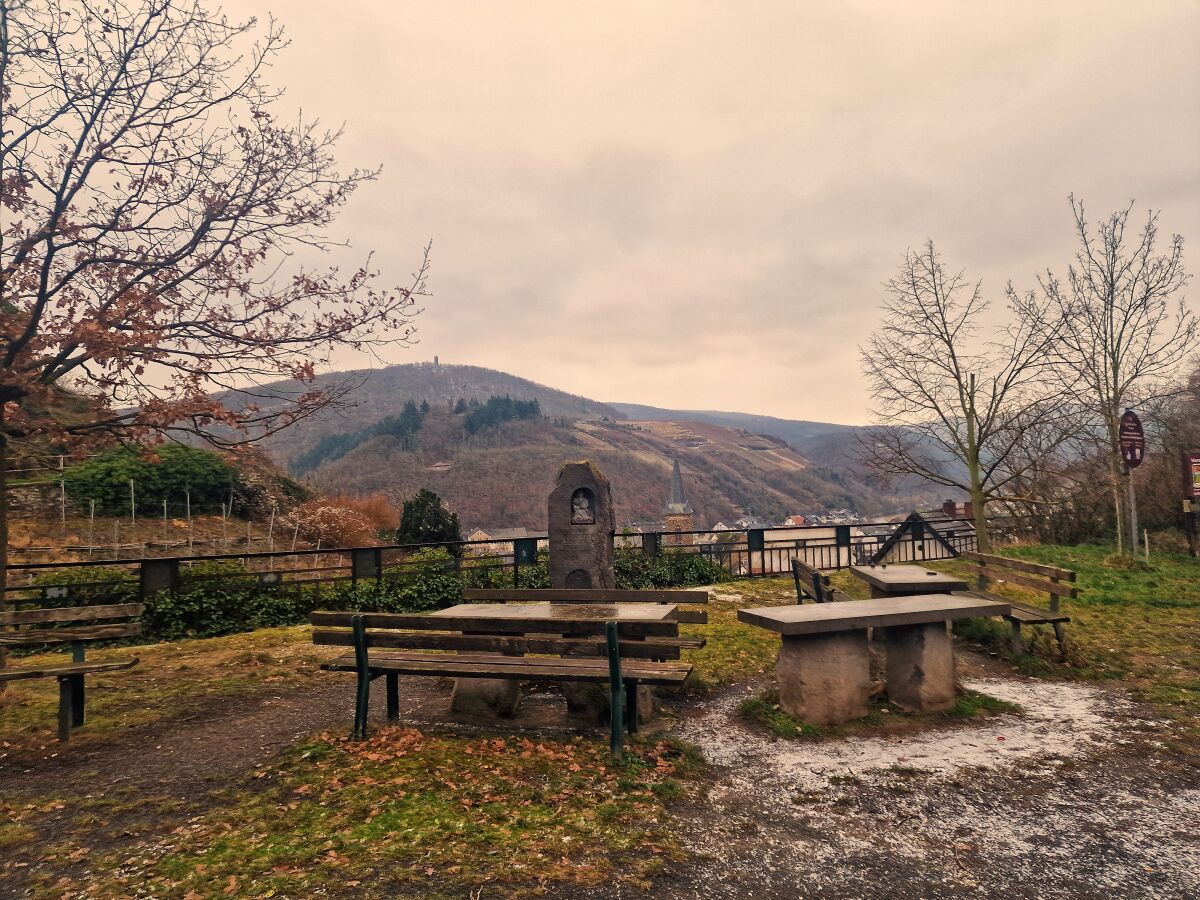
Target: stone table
<point x="503" y="696"/>
<point x="824" y="669"/>
<point x="903" y="581"/>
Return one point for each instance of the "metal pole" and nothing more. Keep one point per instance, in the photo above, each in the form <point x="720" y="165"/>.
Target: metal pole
<point x="224" y="523"/>
<point x="164" y="520"/>
<point x="62" y="504"/>
<point x="92" y="528"/>
<point x="295" y="535"/>
<point x="271" y="528"/>
<point x="132" y="504"/>
<point x="1146" y="543"/>
<point x="187" y="494"/>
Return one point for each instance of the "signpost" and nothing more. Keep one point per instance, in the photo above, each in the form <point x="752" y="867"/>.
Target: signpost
<point x="1132" y="441"/>
<point x="1191" y="495"/>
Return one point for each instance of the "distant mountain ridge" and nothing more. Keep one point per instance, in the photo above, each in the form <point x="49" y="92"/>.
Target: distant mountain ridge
<point x="800" y="433"/>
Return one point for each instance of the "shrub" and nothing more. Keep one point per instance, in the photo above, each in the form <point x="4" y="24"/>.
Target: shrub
<point x="671" y="568"/>
<point x="166" y="473"/>
<point x="426" y="520"/>
<point x="332" y="524"/>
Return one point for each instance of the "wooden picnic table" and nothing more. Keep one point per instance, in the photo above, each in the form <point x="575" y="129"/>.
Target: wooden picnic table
<point x="824" y="667"/>
<point x="636" y="621"/>
<point x="550" y="615"/>
<point x="904" y="580"/>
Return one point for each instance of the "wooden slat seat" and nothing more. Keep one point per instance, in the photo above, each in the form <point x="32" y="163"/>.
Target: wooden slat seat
<point x="524" y="668"/>
<point x="641" y="649"/>
<point x="651" y="648"/>
<point x="1055" y="582"/>
<point x="87" y="668"/>
<point x="59" y="625"/>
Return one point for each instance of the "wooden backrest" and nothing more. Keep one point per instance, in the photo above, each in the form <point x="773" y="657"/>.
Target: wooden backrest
<point x="1052" y="580"/>
<point x="596" y="595"/>
<point x="643" y="640"/>
<point x="582" y="595"/>
<point x="814" y="583"/>
<point x="63" y="624"/>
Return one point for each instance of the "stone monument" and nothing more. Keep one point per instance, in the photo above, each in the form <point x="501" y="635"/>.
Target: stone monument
<point x="581" y="523"/>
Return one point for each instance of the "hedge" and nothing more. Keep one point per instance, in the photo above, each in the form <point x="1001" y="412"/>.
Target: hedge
<point x="235" y="601"/>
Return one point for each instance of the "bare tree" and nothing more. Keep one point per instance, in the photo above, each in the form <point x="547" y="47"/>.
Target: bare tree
<point x="156" y="210"/>
<point x="1126" y="329"/>
<point x="953" y="408"/>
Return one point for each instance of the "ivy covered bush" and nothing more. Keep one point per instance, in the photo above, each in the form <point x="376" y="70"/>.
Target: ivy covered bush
<point x="671" y="568"/>
<point x="171" y="472"/>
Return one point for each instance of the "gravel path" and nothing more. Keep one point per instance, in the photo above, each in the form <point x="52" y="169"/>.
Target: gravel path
<point x="1073" y="799"/>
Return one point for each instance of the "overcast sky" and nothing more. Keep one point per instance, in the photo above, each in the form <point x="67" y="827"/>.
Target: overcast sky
<point x="693" y="204"/>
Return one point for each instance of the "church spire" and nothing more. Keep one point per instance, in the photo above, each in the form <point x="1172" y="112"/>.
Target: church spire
<point x="677" y="504"/>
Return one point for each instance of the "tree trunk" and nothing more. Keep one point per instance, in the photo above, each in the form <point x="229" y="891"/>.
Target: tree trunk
<point x="3" y="531"/>
<point x="983" y="540"/>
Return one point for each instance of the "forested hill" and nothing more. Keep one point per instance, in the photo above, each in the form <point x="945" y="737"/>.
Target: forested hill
<point x="383" y="393"/>
<point x="499" y="474"/>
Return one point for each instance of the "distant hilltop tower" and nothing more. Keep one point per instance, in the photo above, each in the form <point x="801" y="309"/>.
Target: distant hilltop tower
<point x="677" y="513"/>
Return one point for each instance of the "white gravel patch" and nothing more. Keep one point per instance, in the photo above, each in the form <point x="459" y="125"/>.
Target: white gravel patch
<point x="1059" y="719"/>
<point x="1026" y="805"/>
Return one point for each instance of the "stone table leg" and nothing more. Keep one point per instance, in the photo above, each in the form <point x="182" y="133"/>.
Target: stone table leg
<point x="825" y="679"/>
<point x="920" y="667"/>
<point x="486" y="696"/>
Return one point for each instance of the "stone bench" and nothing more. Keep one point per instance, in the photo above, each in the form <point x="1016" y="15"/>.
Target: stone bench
<point x="824" y="668"/>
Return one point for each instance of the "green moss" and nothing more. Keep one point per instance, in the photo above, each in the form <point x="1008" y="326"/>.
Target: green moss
<point x="15" y="834"/>
<point x="764" y="711"/>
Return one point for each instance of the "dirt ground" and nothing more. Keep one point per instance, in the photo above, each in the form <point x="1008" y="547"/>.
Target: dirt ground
<point x="1078" y="797"/>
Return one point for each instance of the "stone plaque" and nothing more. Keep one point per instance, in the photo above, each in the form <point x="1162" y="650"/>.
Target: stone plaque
<point x="581" y="525"/>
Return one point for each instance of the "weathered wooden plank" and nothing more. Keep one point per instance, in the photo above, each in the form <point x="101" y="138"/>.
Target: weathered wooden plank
<point x="1049" y="587"/>
<point x="34" y="636"/>
<point x="655" y="648"/>
<point x="72" y="669"/>
<point x="1019" y="565"/>
<point x="492" y="625"/>
<point x="691" y="617"/>
<point x="71" y="613"/>
<point x="509" y="667"/>
<point x="1032" y="615"/>
<point x="582" y="595"/>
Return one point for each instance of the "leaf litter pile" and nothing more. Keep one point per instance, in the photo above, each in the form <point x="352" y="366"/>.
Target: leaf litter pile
<point x="407" y="808"/>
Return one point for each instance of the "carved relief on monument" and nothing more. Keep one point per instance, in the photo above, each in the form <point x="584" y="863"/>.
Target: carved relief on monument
<point x="579" y="579"/>
<point x="583" y="507"/>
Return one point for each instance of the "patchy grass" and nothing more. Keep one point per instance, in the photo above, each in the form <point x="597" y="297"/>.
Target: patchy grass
<point x="734" y="651"/>
<point x="1132" y="623"/>
<point x="883" y="719"/>
<point x="173" y="680"/>
<point x="417" y="814"/>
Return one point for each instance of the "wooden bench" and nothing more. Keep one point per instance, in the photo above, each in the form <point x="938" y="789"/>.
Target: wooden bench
<point x="813" y="584"/>
<point x="624" y="655"/>
<point x="1055" y="582"/>
<point x="64" y="625"/>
